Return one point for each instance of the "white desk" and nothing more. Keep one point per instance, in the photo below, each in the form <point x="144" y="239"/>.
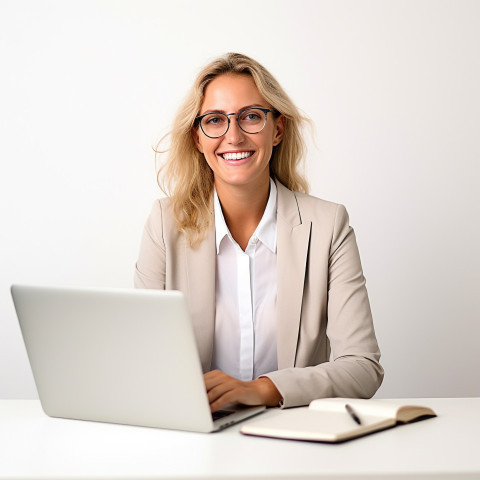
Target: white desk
<point x="34" y="446"/>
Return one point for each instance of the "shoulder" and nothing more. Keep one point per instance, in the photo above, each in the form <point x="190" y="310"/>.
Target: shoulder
<point x="161" y="221"/>
<point x="162" y="210"/>
<point x="309" y="202"/>
<point x="328" y="221"/>
<point x="309" y="207"/>
<point x="161" y="205"/>
<point x="327" y="218"/>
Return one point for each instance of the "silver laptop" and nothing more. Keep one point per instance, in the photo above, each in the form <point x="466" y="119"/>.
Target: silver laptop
<point x="117" y="355"/>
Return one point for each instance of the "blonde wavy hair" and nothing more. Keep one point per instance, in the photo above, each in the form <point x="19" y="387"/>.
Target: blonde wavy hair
<point x="185" y="175"/>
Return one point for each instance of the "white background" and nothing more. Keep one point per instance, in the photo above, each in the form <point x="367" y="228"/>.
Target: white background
<point x="86" y="89"/>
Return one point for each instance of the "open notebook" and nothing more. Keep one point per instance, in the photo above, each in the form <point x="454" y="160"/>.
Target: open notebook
<point x="329" y="420"/>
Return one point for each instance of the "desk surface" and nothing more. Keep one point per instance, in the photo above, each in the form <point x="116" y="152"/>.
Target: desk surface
<point x="34" y="446"/>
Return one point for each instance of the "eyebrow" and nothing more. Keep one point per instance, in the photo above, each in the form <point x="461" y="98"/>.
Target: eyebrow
<point x="255" y="105"/>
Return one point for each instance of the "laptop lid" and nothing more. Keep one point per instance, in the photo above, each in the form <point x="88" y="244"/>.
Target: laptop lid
<point x="116" y="355"/>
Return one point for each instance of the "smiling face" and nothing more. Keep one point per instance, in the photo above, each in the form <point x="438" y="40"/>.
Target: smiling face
<point x="238" y="158"/>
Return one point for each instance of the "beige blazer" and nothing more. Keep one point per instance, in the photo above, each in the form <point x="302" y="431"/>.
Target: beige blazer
<point x="326" y="345"/>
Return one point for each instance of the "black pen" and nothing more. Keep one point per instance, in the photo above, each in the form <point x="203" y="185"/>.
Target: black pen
<point x="352" y="413"/>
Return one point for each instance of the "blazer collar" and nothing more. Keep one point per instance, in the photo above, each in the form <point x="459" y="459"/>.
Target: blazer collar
<point x="287" y="208"/>
<point x="293" y="234"/>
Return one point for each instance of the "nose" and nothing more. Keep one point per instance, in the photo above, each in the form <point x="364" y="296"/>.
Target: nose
<point x="235" y="134"/>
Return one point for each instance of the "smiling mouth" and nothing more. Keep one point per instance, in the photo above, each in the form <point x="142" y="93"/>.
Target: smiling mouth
<point x="236" y="155"/>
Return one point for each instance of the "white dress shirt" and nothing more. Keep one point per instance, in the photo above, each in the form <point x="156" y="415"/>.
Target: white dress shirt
<point x="245" y="345"/>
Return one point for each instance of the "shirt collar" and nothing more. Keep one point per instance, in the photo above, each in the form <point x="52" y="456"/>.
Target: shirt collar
<point x="221" y="229"/>
<point x="266" y="230"/>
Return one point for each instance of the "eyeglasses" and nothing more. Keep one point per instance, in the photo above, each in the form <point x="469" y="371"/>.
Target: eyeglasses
<point x="250" y="120"/>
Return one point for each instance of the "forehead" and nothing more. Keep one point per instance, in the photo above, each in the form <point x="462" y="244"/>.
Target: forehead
<point x="231" y="92"/>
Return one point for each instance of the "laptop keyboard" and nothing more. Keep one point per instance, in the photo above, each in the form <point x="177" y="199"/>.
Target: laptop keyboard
<point x="221" y="414"/>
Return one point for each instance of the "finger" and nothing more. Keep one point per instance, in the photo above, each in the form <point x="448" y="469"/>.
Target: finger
<point x="221" y="388"/>
<point x="231" y="391"/>
<point x="214" y="378"/>
<point x="234" y="392"/>
<point x="225" y="399"/>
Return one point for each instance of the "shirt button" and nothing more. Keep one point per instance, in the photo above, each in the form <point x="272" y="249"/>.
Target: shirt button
<point x="254" y="240"/>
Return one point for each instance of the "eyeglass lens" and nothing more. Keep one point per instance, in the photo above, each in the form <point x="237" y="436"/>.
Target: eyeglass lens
<point x="252" y="120"/>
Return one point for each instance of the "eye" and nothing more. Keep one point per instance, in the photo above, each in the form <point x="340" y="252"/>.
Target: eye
<point x="214" y="120"/>
<point x="251" y="116"/>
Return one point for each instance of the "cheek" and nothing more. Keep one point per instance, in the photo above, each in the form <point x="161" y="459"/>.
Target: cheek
<point x="207" y="146"/>
<point x="268" y="140"/>
<point x="212" y="165"/>
<point x="268" y="143"/>
<point x="209" y="155"/>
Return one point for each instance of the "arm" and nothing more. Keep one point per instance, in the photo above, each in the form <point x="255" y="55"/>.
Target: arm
<point x="334" y="295"/>
<point x="150" y="269"/>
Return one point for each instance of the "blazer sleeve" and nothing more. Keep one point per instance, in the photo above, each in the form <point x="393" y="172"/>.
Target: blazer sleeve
<point x="353" y="369"/>
<point x="150" y="269"/>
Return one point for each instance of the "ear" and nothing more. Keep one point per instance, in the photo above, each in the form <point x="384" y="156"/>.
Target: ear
<point x="279" y="130"/>
<point x="196" y="138"/>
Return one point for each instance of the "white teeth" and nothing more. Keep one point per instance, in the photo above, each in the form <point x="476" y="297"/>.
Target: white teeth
<point x="236" y="156"/>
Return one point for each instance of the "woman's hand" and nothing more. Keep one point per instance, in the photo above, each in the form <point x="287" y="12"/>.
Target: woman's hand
<point x="223" y="389"/>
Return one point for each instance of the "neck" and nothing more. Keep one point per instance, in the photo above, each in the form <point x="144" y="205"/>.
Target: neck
<point x="243" y="209"/>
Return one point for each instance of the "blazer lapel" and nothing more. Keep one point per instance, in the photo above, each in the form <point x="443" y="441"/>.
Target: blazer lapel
<point x="293" y="239"/>
<point x="200" y="273"/>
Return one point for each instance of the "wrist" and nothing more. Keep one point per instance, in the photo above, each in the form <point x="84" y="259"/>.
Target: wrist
<point x="269" y="393"/>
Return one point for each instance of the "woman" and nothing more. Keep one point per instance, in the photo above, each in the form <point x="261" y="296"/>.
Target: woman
<point x="272" y="276"/>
